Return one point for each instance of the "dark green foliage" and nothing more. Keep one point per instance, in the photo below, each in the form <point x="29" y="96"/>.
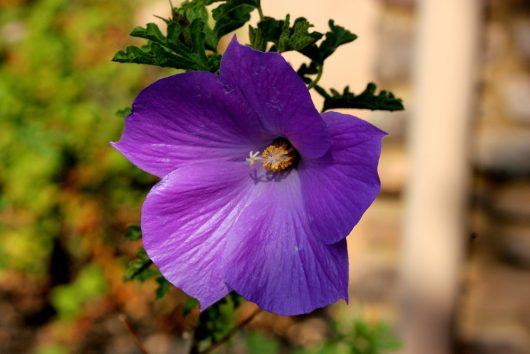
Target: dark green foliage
<point x="217" y="320"/>
<point x="260" y="343"/>
<point x="305" y="70"/>
<point x="133" y="233"/>
<point x="282" y="36"/>
<point x="184" y="46"/>
<point x="163" y="287"/>
<point x="368" y="99"/>
<point x="189" y="43"/>
<point x="124" y="112"/>
<point x="232" y="14"/>
<point x="189" y="305"/>
<point x="371" y="339"/>
<point x="334" y="38"/>
<point x="142" y="269"/>
<point x="360" y="337"/>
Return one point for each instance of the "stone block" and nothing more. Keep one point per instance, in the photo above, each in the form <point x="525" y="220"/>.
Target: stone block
<point x="497" y="42"/>
<point x="375" y="281"/>
<point x="397" y="39"/>
<point x="515" y="93"/>
<point x="503" y="149"/>
<point x="406" y="4"/>
<point x="393" y="169"/>
<point x="513" y="245"/>
<point x="513" y="200"/>
<point x="521" y="34"/>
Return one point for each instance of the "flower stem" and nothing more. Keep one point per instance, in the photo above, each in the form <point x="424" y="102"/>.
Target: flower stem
<point x="227" y="336"/>
<point x="313" y="83"/>
<point x="260" y="12"/>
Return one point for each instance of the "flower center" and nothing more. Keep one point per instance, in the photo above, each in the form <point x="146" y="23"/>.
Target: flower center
<point x="278" y="156"/>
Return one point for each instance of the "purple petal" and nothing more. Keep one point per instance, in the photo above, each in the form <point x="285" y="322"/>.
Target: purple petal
<point x="278" y="95"/>
<point x="339" y="187"/>
<point x="274" y="259"/>
<point x="185" y="220"/>
<point x="189" y="118"/>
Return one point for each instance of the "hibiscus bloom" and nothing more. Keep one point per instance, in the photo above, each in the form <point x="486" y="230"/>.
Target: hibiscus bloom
<point x="258" y="191"/>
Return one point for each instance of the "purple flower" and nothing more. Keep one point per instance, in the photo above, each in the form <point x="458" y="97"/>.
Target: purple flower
<point x="258" y="189"/>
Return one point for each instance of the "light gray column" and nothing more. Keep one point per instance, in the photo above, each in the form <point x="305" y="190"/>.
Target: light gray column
<point x="444" y="91"/>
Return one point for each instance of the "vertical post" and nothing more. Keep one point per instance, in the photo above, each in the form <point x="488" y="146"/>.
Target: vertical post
<point x="436" y="200"/>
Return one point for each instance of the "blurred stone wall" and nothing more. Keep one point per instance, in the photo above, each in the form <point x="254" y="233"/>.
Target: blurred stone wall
<point x="494" y="311"/>
<point x="495" y="314"/>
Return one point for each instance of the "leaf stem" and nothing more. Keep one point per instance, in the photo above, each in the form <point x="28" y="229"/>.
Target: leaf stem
<point x="260" y="12"/>
<point x="227" y="336"/>
<point x="141" y="269"/>
<point x="313" y="83"/>
<point x="133" y="334"/>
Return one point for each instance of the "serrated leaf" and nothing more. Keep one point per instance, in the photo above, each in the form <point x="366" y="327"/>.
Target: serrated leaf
<point x="296" y="37"/>
<point x="368" y="99"/>
<point x="184" y="46"/>
<point x="153" y="54"/>
<point x="267" y="30"/>
<point x="334" y="38"/>
<point x="232" y="15"/>
<point x="134" y="232"/>
<point x="196" y="10"/>
<point x="151" y="32"/>
<point x="305" y="70"/>
<point x="283" y="36"/>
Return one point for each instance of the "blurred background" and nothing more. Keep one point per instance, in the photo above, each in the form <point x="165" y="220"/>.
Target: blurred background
<point x="66" y="197"/>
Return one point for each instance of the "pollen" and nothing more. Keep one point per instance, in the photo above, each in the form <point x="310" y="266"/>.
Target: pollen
<point x="279" y="156"/>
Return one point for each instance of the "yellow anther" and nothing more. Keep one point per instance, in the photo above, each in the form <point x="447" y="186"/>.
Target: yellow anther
<point x="278" y="156"/>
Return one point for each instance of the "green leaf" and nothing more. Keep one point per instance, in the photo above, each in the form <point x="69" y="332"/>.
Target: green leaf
<point x="189" y="305"/>
<point x="189" y="43"/>
<point x="305" y="70"/>
<point x="124" y="112"/>
<point x="133" y="233"/>
<point x="372" y="338"/>
<point x="368" y="99"/>
<point x="140" y="268"/>
<point x="258" y="343"/>
<point x="151" y="32"/>
<point x="163" y="287"/>
<point x="232" y="15"/>
<point x="190" y="11"/>
<point x="218" y="319"/>
<point x="283" y="36"/>
<point x="298" y="36"/>
<point x="334" y="38"/>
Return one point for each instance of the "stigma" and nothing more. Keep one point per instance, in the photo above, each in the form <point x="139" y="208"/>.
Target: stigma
<point x="278" y="156"/>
